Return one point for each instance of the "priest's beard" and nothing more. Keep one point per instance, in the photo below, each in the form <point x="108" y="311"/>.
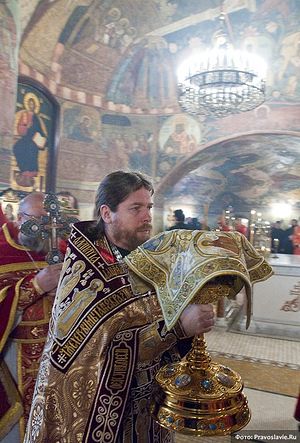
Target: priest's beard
<point x="34" y="244"/>
<point x="129" y="237"/>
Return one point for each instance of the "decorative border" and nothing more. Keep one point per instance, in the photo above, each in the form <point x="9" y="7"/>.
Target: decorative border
<point x="85" y="98"/>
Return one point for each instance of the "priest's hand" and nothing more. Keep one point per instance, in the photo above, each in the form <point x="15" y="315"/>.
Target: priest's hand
<point x="47" y="279"/>
<point x="197" y="319"/>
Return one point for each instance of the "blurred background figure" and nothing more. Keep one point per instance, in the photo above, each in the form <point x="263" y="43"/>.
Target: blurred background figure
<point x="222" y="224"/>
<point x="193" y="223"/>
<point x="179" y="218"/>
<point x="240" y="227"/>
<point x="288" y="237"/>
<point x="277" y="233"/>
<point x="296" y="239"/>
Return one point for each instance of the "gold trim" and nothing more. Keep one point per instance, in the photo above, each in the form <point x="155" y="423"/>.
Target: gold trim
<point x="15" y="412"/>
<point x="20" y="387"/>
<point x="28" y="341"/>
<point x="31" y="96"/>
<point x="11" y="241"/>
<point x="34" y="323"/>
<point x="11" y="314"/>
<point x="23" y="266"/>
<point x="22" y="427"/>
<point x="3" y="293"/>
<point x="37" y="287"/>
<point x="162" y="289"/>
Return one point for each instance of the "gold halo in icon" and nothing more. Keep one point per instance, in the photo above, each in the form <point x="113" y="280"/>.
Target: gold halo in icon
<point x="30" y="96"/>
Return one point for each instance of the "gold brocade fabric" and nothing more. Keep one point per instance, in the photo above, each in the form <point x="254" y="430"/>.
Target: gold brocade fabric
<point x="108" y="332"/>
<point x="104" y="348"/>
<point x="196" y="266"/>
<point x="63" y="401"/>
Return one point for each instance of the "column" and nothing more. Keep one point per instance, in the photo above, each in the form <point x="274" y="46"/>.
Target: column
<point x="9" y="44"/>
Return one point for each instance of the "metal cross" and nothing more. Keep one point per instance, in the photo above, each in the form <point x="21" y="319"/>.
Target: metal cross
<point x="51" y="227"/>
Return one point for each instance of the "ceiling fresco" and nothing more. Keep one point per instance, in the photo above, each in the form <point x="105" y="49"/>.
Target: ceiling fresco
<point x="251" y="171"/>
<point x="111" y="40"/>
<point x="124" y="55"/>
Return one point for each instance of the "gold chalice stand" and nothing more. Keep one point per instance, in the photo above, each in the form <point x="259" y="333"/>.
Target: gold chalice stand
<point x="197" y="396"/>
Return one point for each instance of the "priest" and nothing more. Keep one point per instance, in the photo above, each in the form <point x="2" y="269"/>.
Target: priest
<point x="27" y="288"/>
<point x="124" y="306"/>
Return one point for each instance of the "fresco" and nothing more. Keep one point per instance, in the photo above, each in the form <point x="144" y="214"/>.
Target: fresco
<point x="243" y="176"/>
<point x="33" y="147"/>
<point x="104" y="32"/>
<point x="120" y="58"/>
<point x="270" y="29"/>
<point x="101" y="42"/>
<point x="81" y="124"/>
<point x="130" y="146"/>
<point x="8" y="79"/>
<point x="263" y="118"/>
<point x="94" y="143"/>
<point x="144" y="77"/>
<point x="179" y="137"/>
<point x="27" y="8"/>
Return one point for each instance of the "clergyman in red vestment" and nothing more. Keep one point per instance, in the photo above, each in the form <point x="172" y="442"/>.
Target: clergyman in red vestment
<point x="27" y="285"/>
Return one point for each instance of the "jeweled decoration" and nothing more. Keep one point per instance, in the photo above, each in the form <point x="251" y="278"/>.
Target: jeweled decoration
<point x="199" y="398"/>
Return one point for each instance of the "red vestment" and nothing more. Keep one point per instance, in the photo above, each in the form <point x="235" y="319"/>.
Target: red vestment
<point x="297" y="410"/>
<point x="296" y="240"/>
<point x="24" y="325"/>
<point x="242" y="229"/>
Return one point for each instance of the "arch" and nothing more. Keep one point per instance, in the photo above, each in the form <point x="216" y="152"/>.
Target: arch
<point x="195" y="160"/>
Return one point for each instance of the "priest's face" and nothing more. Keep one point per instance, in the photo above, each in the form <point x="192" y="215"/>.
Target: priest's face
<point x="130" y="225"/>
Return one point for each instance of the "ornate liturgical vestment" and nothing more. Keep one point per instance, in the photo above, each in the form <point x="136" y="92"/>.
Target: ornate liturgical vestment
<point x="114" y="322"/>
<point x="24" y="318"/>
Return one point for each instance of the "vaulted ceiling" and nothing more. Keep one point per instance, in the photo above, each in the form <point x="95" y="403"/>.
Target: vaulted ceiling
<point x="126" y="53"/>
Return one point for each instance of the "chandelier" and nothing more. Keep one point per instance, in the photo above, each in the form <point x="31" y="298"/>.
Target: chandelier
<point x="221" y="81"/>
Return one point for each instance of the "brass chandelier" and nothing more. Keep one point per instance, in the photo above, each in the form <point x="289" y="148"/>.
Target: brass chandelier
<point x="221" y="81"/>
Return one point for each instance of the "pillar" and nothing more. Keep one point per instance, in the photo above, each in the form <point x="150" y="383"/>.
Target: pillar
<point x="9" y="44"/>
<point x="158" y="214"/>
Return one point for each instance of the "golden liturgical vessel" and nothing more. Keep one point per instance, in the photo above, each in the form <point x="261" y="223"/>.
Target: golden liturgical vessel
<point x="197" y="396"/>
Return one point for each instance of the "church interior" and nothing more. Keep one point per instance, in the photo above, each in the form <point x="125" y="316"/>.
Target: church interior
<point x="100" y="77"/>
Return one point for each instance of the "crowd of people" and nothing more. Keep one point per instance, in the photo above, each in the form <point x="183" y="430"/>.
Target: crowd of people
<point x="96" y="362"/>
<point x="283" y="241"/>
<point x="181" y="222"/>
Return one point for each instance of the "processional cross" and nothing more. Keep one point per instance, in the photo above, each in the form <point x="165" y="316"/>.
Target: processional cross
<point x="51" y="227"/>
